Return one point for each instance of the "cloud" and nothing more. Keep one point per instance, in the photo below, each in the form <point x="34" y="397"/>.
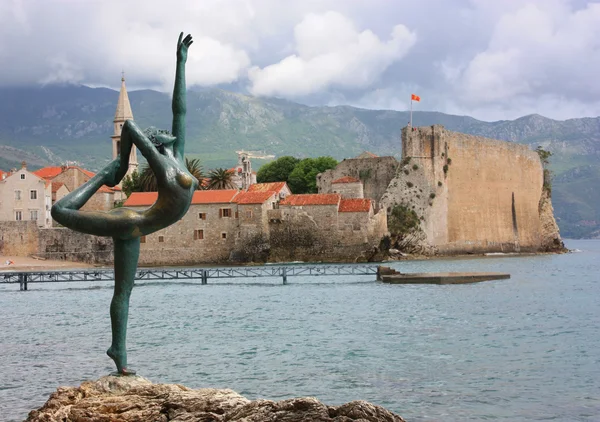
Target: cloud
<point x="537" y="50"/>
<point x="330" y="51"/>
<point x="488" y="59"/>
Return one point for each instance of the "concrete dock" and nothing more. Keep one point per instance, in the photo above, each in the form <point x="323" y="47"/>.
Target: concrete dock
<point x="442" y="278"/>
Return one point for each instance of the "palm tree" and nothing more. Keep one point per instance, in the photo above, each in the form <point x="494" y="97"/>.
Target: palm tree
<point x="195" y="169"/>
<point x="146" y="180"/>
<point x="221" y="179"/>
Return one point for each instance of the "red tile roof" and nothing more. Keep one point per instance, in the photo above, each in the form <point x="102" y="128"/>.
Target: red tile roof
<point x="254" y="197"/>
<point x="217" y="196"/>
<point x="49" y="172"/>
<point x="139" y="199"/>
<point x="312" y="199"/>
<point x="355" y="205"/>
<point x="53" y="171"/>
<point x="225" y="196"/>
<point x="346" y="179"/>
<point x="56" y="186"/>
<point x="1" y="173"/>
<point x="267" y="187"/>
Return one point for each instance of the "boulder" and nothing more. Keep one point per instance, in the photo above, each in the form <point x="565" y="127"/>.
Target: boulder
<point x="134" y="398"/>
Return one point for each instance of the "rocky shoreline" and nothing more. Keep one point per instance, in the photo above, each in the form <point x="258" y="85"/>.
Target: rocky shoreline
<point x="135" y="399"/>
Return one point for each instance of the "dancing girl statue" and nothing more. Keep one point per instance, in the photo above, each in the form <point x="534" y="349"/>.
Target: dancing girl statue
<point x="176" y="186"/>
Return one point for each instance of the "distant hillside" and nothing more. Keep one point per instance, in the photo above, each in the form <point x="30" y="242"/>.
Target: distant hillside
<point x="55" y="124"/>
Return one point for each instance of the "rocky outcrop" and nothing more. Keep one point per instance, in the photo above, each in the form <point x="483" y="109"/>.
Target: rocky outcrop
<point x="549" y="233"/>
<point x="133" y="398"/>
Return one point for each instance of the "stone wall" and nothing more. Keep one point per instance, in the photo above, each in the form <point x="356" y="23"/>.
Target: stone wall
<point x="472" y="194"/>
<point x="179" y="246"/>
<point x="25" y="238"/>
<point x="19" y="238"/>
<point x="348" y="190"/>
<point x="67" y="245"/>
<point x="375" y="173"/>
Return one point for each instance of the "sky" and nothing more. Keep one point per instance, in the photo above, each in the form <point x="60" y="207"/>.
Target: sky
<point x="490" y="59"/>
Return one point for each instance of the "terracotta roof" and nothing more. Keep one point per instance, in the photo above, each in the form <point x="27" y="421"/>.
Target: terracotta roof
<point x="56" y="186"/>
<point x="1" y="173"/>
<point x="49" y="172"/>
<point x="346" y="179"/>
<point x="355" y="205"/>
<point x="217" y="196"/>
<point x="106" y="189"/>
<point x="267" y="187"/>
<point x="367" y="154"/>
<point x="139" y="199"/>
<point x="254" y="197"/>
<point x="225" y="196"/>
<point x="312" y="199"/>
<point x="53" y="171"/>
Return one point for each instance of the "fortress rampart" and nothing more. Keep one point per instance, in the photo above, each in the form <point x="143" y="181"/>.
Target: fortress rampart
<point x="472" y="194"/>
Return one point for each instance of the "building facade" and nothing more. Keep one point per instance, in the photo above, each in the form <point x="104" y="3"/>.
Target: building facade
<point x="24" y="196"/>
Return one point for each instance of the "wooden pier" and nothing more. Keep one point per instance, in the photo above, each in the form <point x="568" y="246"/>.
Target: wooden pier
<point x="24" y="278"/>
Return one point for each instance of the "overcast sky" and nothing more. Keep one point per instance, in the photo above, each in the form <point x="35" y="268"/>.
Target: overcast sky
<point x="490" y="59"/>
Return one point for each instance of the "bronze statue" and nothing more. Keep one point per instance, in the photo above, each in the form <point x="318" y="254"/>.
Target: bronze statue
<point x="176" y="186"/>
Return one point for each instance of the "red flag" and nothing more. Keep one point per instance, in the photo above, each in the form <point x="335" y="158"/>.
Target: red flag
<point x="414" y="97"/>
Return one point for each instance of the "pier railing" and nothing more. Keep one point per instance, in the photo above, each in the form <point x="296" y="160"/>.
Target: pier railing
<point x="201" y="274"/>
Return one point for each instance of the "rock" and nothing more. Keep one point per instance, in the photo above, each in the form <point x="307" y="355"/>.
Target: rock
<point x="135" y="399"/>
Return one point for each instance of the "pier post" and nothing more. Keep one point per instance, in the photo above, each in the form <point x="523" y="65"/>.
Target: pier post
<point x="23" y="282"/>
<point x="204" y="277"/>
<point x="284" y="274"/>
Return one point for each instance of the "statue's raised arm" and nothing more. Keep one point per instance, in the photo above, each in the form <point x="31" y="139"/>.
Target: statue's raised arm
<point x="179" y="96"/>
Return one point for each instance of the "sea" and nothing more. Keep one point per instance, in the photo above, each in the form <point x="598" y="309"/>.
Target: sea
<point x="523" y="349"/>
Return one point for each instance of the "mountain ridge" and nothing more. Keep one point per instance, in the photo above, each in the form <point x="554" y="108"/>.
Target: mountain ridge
<point x="52" y="124"/>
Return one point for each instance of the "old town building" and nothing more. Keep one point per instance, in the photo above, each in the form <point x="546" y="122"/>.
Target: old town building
<point x="24" y="196"/>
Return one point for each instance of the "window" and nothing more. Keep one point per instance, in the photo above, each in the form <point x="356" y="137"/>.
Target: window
<point x="198" y="234"/>
<point x="161" y="239"/>
<point x="18" y="215"/>
<point x="17" y="195"/>
<point x="142" y="239"/>
<point x="33" y="215"/>
<point x="202" y="216"/>
<point x="223" y="235"/>
<point x="249" y="214"/>
<point x="225" y="212"/>
<point x="33" y="194"/>
<point x="22" y="176"/>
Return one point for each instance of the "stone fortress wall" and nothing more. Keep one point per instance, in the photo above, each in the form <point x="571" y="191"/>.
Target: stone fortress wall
<point x="472" y="194"/>
<point x="375" y="173"/>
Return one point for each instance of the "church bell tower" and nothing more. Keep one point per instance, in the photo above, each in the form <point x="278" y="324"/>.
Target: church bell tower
<point x="123" y="114"/>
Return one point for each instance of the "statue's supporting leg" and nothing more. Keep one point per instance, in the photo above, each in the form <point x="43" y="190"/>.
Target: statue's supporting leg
<point x="126" y="253"/>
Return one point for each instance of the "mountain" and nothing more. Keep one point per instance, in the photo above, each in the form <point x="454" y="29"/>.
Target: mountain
<point x="55" y="124"/>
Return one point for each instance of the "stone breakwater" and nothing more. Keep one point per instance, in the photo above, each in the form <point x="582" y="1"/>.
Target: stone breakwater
<point x="128" y="399"/>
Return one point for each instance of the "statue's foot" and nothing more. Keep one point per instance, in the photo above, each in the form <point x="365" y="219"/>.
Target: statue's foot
<point x="124" y="372"/>
<point x="120" y="359"/>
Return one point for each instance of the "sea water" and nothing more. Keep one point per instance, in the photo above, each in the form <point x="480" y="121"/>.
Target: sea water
<point x="522" y="349"/>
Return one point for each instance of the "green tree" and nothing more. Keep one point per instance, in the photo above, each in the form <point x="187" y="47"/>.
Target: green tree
<point x="303" y="179"/>
<point x="278" y="170"/>
<point x="545" y="159"/>
<point x="131" y="183"/>
<point x="221" y="179"/>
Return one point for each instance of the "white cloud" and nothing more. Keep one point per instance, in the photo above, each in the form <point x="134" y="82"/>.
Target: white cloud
<point x="544" y="49"/>
<point x="330" y="52"/>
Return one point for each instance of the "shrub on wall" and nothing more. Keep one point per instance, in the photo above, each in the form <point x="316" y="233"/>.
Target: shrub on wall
<point x="402" y="220"/>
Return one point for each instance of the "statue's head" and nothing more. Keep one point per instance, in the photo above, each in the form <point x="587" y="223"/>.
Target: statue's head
<point x="159" y="137"/>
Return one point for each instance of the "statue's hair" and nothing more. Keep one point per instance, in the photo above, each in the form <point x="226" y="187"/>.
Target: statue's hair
<point x="151" y="133"/>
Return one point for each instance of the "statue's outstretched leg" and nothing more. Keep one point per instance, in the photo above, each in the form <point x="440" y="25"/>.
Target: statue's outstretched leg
<point x="126" y="254"/>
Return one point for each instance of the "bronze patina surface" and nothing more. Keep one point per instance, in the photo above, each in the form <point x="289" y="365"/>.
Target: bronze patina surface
<point x="176" y="186"/>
